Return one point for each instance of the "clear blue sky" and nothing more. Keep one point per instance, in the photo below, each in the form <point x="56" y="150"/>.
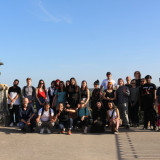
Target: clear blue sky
<point x="52" y="39"/>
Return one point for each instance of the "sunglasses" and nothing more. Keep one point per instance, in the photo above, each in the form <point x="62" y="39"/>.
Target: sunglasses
<point x="133" y="83"/>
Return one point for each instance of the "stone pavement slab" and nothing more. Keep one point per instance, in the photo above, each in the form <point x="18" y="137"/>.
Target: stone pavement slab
<point x="130" y="144"/>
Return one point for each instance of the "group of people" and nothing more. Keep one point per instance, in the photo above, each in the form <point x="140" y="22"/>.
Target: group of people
<point x="67" y="106"/>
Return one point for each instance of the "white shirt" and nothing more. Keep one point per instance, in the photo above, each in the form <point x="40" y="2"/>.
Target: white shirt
<point x="46" y="116"/>
<point x="105" y="83"/>
<point x="114" y="114"/>
<point x="13" y="95"/>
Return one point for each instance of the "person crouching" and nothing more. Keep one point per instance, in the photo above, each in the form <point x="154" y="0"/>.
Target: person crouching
<point x="45" y="119"/>
<point x="113" y="117"/>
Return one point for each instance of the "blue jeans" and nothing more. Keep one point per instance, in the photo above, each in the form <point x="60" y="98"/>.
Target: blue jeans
<point x="66" y="124"/>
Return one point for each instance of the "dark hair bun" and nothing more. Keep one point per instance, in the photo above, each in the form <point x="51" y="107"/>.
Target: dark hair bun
<point x="96" y="82"/>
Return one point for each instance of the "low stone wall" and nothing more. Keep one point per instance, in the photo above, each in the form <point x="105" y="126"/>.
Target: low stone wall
<point x="3" y="104"/>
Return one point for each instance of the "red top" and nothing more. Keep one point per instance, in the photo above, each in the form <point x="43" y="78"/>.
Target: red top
<point x="41" y="94"/>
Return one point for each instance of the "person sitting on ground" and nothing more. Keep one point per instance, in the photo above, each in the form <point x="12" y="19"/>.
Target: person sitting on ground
<point x="113" y="117"/>
<point x="64" y="121"/>
<point x="99" y="118"/>
<point x="26" y="114"/>
<point x="82" y="119"/>
<point x="45" y="119"/>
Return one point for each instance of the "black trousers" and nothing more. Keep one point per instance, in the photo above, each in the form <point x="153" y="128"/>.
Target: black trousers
<point x="14" y="110"/>
<point x="149" y="115"/>
<point x="79" y="123"/>
<point x="134" y="114"/>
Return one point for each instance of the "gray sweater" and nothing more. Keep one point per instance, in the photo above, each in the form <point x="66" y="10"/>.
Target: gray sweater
<point x="121" y="96"/>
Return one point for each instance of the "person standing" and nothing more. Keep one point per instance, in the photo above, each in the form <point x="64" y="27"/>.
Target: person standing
<point x="51" y="93"/>
<point x="109" y="79"/>
<point x="73" y="94"/>
<point x="60" y="96"/>
<point x="122" y="95"/>
<point x="29" y="92"/>
<point x="14" y="93"/>
<point x="137" y="76"/>
<point x="41" y="95"/>
<point x="109" y="95"/>
<point x="128" y="80"/>
<point x="85" y="94"/>
<point x="96" y="95"/>
<point x="149" y="92"/>
<point x="128" y="84"/>
<point x="134" y="103"/>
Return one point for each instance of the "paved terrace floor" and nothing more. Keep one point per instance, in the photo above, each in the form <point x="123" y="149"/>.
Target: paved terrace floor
<point x="131" y="145"/>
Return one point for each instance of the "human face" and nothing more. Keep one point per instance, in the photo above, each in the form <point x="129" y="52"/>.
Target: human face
<point x="61" y="106"/>
<point x="82" y="104"/>
<point x="61" y="85"/>
<point x="133" y="83"/>
<point x="110" y="105"/>
<point x="137" y="76"/>
<point x="46" y="107"/>
<point x="15" y="83"/>
<point x="128" y="79"/>
<point x="73" y="82"/>
<point x="99" y="105"/>
<point x="110" y="86"/>
<point x="148" y="80"/>
<point x="120" y="82"/>
<point x="84" y="84"/>
<point x="96" y="85"/>
<point x="29" y="82"/>
<point x="25" y="101"/>
<point x="41" y="83"/>
<point x="109" y="76"/>
<point x="143" y="81"/>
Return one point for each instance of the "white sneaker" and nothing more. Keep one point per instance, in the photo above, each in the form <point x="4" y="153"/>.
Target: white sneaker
<point x="85" y="130"/>
<point x="11" y="124"/>
<point x="41" y="131"/>
<point x="48" y="131"/>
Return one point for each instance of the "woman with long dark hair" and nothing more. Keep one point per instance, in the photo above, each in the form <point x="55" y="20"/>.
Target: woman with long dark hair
<point x="41" y="93"/>
<point x="60" y="96"/>
<point x="73" y="94"/>
<point x="137" y="76"/>
<point x="85" y="94"/>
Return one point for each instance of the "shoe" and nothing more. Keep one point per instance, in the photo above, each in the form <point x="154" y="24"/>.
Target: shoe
<point x="69" y="132"/>
<point x="127" y="127"/>
<point x="42" y="131"/>
<point x="85" y="130"/>
<point x="48" y="131"/>
<point x="144" y="128"/>
<point x="62" y="132"/>
<point x="11" y="124"/>
<point x="116" y="132"/>
<point x="17" y="124"/>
